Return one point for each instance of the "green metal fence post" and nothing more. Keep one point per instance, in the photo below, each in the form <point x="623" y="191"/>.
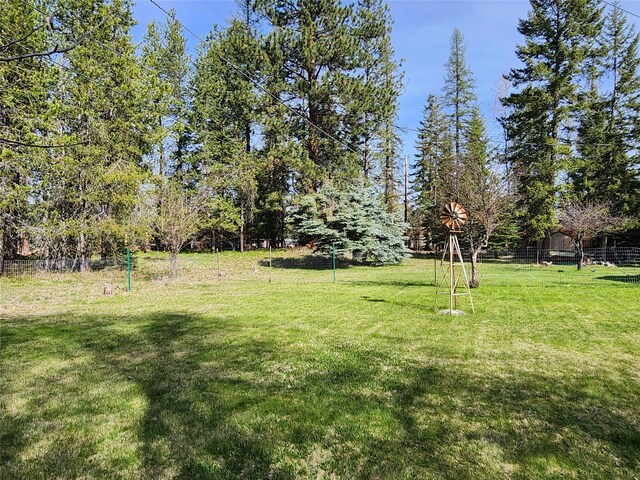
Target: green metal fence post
<point x="333" y="258"/>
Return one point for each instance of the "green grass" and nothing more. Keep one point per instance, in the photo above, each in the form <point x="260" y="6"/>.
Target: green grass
<point x="300" y="378"/>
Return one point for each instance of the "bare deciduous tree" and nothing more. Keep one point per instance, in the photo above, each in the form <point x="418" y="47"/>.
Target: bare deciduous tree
<point x="178" y="219"/>
<point x="582" y="220"/>
<point x="143" y="218"/>
<point x="486" y="201"/>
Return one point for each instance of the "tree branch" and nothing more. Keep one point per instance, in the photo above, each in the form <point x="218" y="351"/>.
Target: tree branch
<point x="16" y="143"/>
<point x="56" y="49"/>
<point x="22" y="39"/>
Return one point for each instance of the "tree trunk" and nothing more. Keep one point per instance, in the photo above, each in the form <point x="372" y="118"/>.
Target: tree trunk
<point x="82" y="253"/>
<point x="247" y="133"/>
<point x="1" y="249"/>
<point x="161" y="161"/>
<point x="580" y="253"/>
<point x="242" y="229"/>
<point x="365" y="161"/>
<point x="474" y="283"/>
<point x="173" y="264"/>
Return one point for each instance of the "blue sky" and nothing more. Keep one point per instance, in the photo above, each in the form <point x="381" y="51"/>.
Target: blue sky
<point x="421" y="35"/>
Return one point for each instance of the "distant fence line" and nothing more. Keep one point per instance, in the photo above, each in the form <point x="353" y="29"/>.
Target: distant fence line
<point x="614" y="256"/>
<point x="610" y="256"/>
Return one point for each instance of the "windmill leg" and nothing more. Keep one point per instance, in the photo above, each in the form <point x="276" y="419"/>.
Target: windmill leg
<point x="443" y="274"/>
<point x="452" y="287"/>
<point x="466" y="278"/>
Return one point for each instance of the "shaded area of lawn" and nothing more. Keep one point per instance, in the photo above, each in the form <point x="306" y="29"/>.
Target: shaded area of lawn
<point x="184" y="395"/>
<point x="621" y="278"/>
<point x="306" y="262"/>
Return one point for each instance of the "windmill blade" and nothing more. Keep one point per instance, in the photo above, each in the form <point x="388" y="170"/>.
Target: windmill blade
<point x="453" y="216"/>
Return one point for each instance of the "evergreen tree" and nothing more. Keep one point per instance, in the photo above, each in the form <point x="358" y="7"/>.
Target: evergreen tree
<point x="280" y="154"/>
<point x="593" y="147"/>
<point x="167" y="71"/>
<point x="433" y="170"/>
<point x="317" y="46"/>
<point x="372" y="93"/>
<point x="459" y="91"/>
<point x="25" y="118"/>
<point x="224" y="111"/>
<point x="559" y="37"/>
<point x="354" y="221"/>
<point x="608" y="127"/>
<point x="88" y="191"/>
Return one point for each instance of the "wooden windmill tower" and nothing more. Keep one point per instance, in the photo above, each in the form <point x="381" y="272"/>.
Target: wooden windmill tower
<point x="452" y="270"/>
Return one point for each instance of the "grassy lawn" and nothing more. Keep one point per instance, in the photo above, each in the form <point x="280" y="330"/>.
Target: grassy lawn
<point x="237" y="377"/>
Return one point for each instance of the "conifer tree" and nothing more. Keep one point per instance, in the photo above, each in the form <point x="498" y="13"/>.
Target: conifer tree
<point x="372" y="94"/>
<point x="434" y="166"/>
<point x="606" y="171"/>
<point x="459" y="91"/>
<point x="317" y="46"/>
<point x="280" y="153"/>
<point x="167" y="71"/>
<point x="559" y="37"/>
<point x="224" y="110"/>
<point x="25" y="117"/>
<point x="92" y="188"/>
<point x="354" y="221"/>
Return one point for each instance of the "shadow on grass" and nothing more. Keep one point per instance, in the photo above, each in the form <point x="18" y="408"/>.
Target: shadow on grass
<point x="423" y="256"/>
<point x="220" y="403"/>
<point x="621" y="278"/>
<point x="389" y="283"/>
<point x="308" y="262"/>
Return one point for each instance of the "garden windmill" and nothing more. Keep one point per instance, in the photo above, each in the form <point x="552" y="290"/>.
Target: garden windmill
<point x="453" y="217"/>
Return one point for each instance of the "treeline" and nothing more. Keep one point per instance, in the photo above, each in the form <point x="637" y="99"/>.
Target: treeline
<point x="567" y="158"/>
<point x="106" y="142"/>
<point x="289" y="96"/>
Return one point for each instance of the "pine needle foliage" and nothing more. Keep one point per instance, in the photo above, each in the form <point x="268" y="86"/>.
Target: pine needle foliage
<point x="353" y="221"/>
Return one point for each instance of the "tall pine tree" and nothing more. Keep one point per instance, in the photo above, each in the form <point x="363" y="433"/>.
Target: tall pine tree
<point x="167" y="70"/>
<point x="608" y="128"/>
<point x="559" y="37"/>
<point x="90" y="190"/>
<point x="25" y="118"/>
<point x="433" y="170"/>
<point x="224" y="111"/>
<point x="459" y="91"/>
<point x="318" y="47"/>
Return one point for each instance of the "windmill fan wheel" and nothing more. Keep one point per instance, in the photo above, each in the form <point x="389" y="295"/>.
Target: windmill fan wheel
<point x="453" y="216"/>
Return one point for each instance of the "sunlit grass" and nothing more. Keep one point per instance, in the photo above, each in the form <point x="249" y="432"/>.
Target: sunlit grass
<point x="239" y="377"/>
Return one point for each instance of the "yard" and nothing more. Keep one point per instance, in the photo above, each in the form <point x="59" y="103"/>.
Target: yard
<point x="239" y="377"/>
